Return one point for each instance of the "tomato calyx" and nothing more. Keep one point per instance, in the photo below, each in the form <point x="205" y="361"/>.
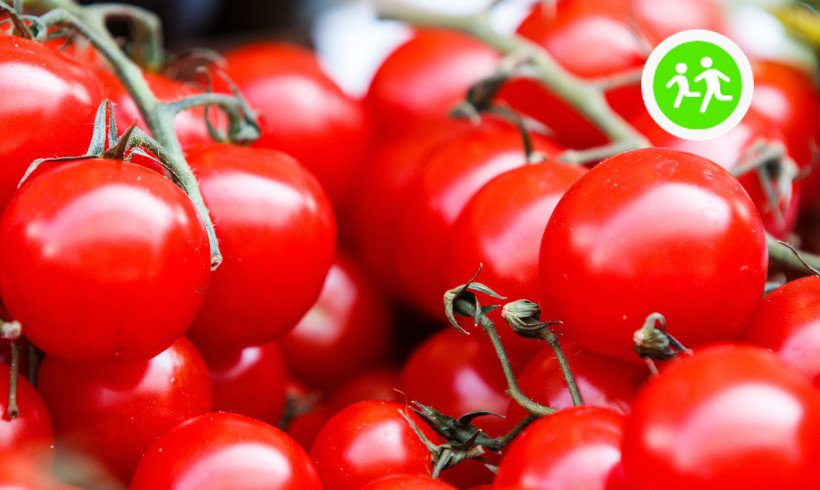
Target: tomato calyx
<point x="18" y="21"/>
<point x="656" y="344"/>
<point x="775" y="170"/>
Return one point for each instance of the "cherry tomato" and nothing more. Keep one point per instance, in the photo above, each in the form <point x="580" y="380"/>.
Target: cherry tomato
<point x="47" y="109"/>
<point x="374" y="384"/>
<point x="653" y="230"/>
<point x="302" y="112"/>
<point x="602" y="382"/>
<point x="30" y="434"/>
<point x="573" y="448"/>
<point x="458" y="384"/>
<point x="102" y="259"/>
<point x="501" y="228"/>
<point x="250" y="381"/>
<point x="450" y="176"/>
<point x="347" y="330"/>
<point x="729" y="417"/>
<point x="225" y="450"/>
<point x="277" y="234"/>
<point x="19" y="473"/>
<point x="369" y="440"/>
<point x="110" y="412"/>
<point x="788" y="322"/>
<point x="425" y="78"/>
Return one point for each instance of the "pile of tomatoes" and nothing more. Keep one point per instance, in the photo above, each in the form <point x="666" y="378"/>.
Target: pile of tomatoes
<point x="297" y="361"/>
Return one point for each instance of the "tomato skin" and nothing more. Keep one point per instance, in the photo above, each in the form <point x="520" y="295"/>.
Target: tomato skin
<point x="653" y="230"/>
<point x="369" y="440"/>
<point x="225" y="450"/>
<point x="425" y="78"/>
<point x="451" y="174"/>
<point x="602" y="382"/>
<point x="732" y="416"/>
<point x="112" y="411"/>
<point x="417" y="482"/>
<point x="47" y="109"/>
<point x="346" y="331"/>
<point x="788" y="322"/>
<point x="302" y="112"/>
<point x="574" y="448"/>
<point x="102" y="259"/>
<point x="30" y="435"/>
<point x="277" y="234"/>
<point x="250" y="381"/>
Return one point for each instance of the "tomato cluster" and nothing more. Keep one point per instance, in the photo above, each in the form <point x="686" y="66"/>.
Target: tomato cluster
<point x="319" y="353"/>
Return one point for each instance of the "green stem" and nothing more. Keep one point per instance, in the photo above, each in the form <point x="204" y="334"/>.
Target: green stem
<point x="587" y="97"/>
<point x="91" y="23"/>
<point x="146" y="46"/>
<point x="513" y="389"/>
<point x="788" y="255"/>
<point x="572" y="385"/>
<point x="501" y="442"/>
<point x="12" y="410"/>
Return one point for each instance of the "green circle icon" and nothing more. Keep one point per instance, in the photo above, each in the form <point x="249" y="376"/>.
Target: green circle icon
<point x="697" y="84"/>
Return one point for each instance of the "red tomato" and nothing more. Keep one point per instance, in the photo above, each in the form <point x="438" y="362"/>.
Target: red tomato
<point x="416" y="482"/>
<point x="450" y="176"/>
<point x="347" y="330"/>
<point x="647" y="231"/>
<point x="110" y="412"/>
<point x="102" y="259"/>
<point x="574" y="448"/>
<point x="374" y="384"/>
<point x="728" y="150"/>
<point x="19" y="473"/>
<point x="304" y="425"/>
<point x="366" y="441"/>
<point x="302" y="112"/>
<point x="189" y="125"/>
<point x="788" y="323"/>
<point x="457" y="374"/>
<point x="250" y="381"/>
<point x="501" y="227"/>
<point x="47" y="109"/>
<point x="602" y="382"/>
<point x="425" y="78"/>
<point x="277" y="234"/>
<point x="225" y="450"/>
<point x="729" y="417"/>
<point x="30" y="434"/>
<point x="382" y="191"/>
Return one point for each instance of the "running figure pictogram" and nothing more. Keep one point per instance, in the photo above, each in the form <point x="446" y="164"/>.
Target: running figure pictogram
<point x="683" y="84"/>
<point x="712" y="77"/>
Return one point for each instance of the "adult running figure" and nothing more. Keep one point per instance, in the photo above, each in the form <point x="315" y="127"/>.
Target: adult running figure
<point x="712" y="77"/>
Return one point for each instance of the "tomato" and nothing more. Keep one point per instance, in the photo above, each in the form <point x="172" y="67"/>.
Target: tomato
<point x="458" y="384"/>
<point x="381" y="193"/>
<point x="646" y="231"/>
<point x="47" y="109"/>
<point x="416" y="482"/>
<point x="110" y="412"/>
<point x="250" y="381"/>
<point x="425" y="78"/>
<point x="788" y="323"/>
<point x="19" y="473"/>
<point x="602" y="382"/>
<point x="277" y="234"/>
<point x="574" y="448"/>
<point x="189" y="125"/>
<point x="304" y="424"/>
<point x="501" y="228"/>
<point x="30" y="434"/>
<point x="302" y="112"/>
<point x="729" y="417"/>
<point x="225" y="450"/>
<point x="451" y="174"/>
<point x="347" y="330"/>
<point x="366" y="441"/>
<point x="102" y="259"/>
<point x="729" y="150"/>
<point x="374" y="384"/>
